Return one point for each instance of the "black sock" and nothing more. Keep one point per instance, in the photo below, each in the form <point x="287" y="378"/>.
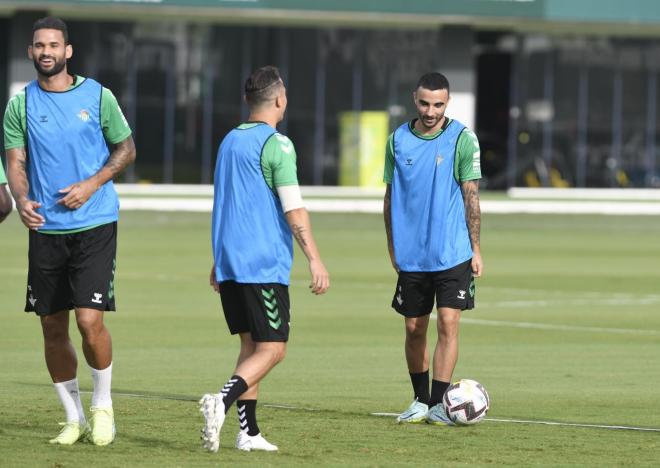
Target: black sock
<point x="234" y="388"/>
<point x="247" y="416"/>
<point x="420" y="383"/>
<point x="438" y="389"/>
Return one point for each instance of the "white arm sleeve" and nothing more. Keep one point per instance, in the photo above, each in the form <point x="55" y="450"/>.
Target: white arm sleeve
<point x="290" y="197"/>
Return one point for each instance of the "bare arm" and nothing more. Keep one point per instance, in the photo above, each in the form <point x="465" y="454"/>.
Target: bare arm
<point x="20" y="187"/>
<point x="387" y="214"/>
<point x="5" y="203"/>
<point x="76" y="195"/>
<point x="301" y="228"/>
<point x="470" y="191"/>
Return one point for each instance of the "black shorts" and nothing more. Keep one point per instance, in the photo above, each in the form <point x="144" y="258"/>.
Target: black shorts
<point x="452" y="288"/>
<point x="261" y="309"/>
<point x="72" y="270"/>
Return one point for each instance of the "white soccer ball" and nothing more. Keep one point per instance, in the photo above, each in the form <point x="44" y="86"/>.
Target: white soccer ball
<point x="466" y="402"/>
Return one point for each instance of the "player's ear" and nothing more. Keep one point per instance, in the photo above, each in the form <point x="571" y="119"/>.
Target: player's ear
<point x="30" y="56"/>
<point x="68" y="51"/>
<point x="280" y="100"/>
<point x="414" y="96"/>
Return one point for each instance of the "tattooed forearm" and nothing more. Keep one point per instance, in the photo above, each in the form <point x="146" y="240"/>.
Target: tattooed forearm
<point x="472" y="210"/>
<point x="298" y="233"/>
<point x="301" y="228"/>
<point x="122" y="156"/>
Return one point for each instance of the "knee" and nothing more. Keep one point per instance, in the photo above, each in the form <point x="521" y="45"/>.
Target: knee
<point x="415" y="330"/>
<point x="54" y="334"/>
<point x="279" y="352"/>
<point x="89" y="326"/>
<point x="55" y="331"/>
<point x="448" y="323"/>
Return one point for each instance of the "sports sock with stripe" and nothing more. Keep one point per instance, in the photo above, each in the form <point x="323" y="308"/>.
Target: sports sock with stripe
<point x="247" y="416"/>
<point x="234" y="388"/>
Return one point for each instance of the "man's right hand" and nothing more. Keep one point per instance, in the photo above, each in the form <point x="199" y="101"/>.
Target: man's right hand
<point x="213" y="282"/>
<point x="27" y="211"/>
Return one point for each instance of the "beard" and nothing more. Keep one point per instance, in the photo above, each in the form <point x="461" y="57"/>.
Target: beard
<point x="57" y="67"/>
<point x="428" y="124"/>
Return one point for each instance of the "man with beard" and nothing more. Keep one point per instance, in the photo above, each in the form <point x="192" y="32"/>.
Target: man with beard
<point x="57" y="132"/>
<point x="432" y="221"/>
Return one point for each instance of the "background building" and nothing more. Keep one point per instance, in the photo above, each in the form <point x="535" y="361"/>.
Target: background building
<point x="560" y="93"/>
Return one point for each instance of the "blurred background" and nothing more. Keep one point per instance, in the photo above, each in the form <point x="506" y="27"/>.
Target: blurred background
<point x="560" y="94"/>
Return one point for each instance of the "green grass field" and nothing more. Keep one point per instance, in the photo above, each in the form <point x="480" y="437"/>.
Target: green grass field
<point x="566" y="329"/>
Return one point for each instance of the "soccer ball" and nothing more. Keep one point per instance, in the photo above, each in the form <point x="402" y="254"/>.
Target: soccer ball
<point x="466" y="402"/>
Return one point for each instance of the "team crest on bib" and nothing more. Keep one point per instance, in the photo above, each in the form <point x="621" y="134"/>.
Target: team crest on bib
<point x="83" y="115"/>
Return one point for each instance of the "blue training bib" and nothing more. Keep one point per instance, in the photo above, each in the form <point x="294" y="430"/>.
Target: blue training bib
<point x="428" y="216"/>
<point x="252" y="241"/>
<point x="65" y="145"/>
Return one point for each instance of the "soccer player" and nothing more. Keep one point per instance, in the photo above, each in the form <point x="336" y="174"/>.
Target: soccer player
<point x="257" y="207"/>
<point x="5" y="198"/>
<point x="60" y="172"/>
<point x="432" y="221"/>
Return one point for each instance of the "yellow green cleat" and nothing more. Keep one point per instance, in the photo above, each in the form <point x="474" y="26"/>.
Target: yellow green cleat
<point x="71" y="433"/>
<point x="103" y="426"/>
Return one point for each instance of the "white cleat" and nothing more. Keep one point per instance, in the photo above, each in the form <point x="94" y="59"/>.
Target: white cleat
<point x="213" y="409"/>
<point x="415" y="413"/>
<point x="248" y="443"/>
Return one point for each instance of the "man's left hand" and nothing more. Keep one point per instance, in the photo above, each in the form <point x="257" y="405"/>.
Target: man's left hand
<point x="76" y="195"/>
<point x="477" y="265"/>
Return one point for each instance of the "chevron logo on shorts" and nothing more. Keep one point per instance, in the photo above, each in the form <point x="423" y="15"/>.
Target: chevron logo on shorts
<point x="270" y="301"/>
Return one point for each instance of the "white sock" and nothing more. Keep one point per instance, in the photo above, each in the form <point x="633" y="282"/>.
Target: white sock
<point x="102" y="383"/>
<point x="70" y="397"/>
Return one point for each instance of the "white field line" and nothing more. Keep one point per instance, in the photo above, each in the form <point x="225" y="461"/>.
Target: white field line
<point x="584" y="194"/>
<point x="369" y="200"/>
<point x="571" y="207"/>
<point x="200" y="205"/>
<point x="615" y="301"/>
<point x="551" y="423"/>
<point x="298" y="408"/>
<point x="164" y="189"/>
<point x="558" y="327"/>
<point x="205" y="205"/>
<point x="361" y="192"/>
<point x="307" y="190"/>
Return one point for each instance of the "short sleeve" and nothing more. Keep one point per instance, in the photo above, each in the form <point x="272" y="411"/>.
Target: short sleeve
<point x="388" y="171"/>
<point x="278" y="162"/>
<point x="14" y="122"/>
<point x="114" y="124"/>
<point x="3" y="177"/>
<point x="468" y="157"/>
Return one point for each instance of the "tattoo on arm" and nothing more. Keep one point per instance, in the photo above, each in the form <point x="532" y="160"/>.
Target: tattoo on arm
<point x="298" y="233"/>
<point x="121" y="156"/>
<point x="472" y="210"/>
